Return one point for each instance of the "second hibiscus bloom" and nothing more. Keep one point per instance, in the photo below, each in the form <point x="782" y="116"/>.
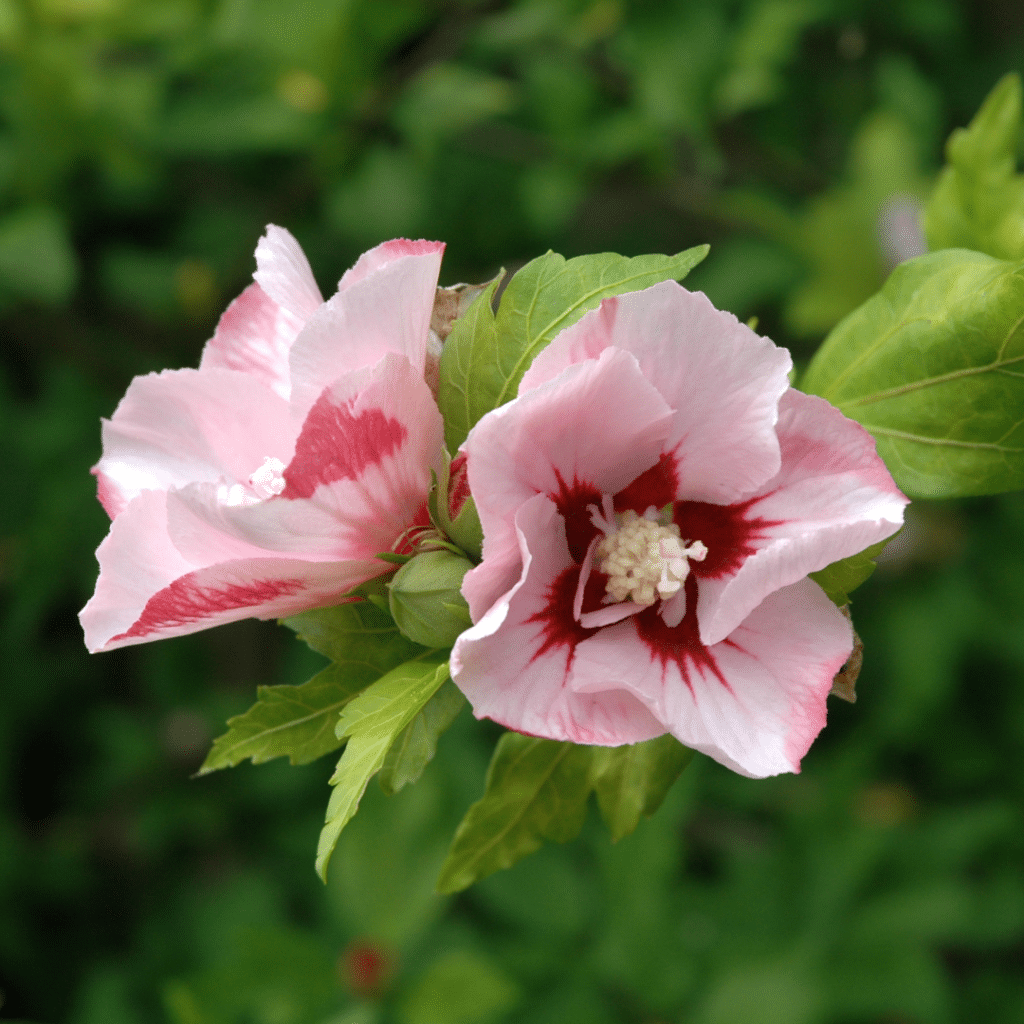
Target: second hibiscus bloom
<point x="265" y="482"/>
<point x="652" y="503"/>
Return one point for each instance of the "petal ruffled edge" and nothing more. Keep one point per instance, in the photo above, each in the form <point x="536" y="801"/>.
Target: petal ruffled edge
<point x="832" y="498"/>
<point x="284" y="273"/>
<point x="383" y="308"/>
<point x="385" y="254"/>
<point x="754" y="702"/>
<point x="722" y="381"/>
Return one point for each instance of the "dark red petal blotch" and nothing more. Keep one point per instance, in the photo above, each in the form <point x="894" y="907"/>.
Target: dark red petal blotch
<point x="574" y="501"/>
<point x="186" y="601"/>
<point x="680" y="645"/>
<point x="724" y="530"/>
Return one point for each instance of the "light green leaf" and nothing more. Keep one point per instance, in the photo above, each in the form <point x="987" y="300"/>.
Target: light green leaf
<point x="978" y="201"/>
<point x="358" y="632"/>
<point x="535" y="790"/>
<point x="841" y="578"/>
<point x="933" y="366"/>
<point x="293" y="721"/>
<point x="632" y="780"/>
<point x="299" y="721"/>
<point x="486" y="354"/>
<point x="417" y="744"/>
<point x="371" y="723"/>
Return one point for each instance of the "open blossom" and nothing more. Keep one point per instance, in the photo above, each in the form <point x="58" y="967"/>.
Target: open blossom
<point x="265" y="482"/>
<point x="652" y="503"/>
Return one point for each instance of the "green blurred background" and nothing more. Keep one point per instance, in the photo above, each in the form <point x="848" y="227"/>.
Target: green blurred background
<point x="144" y="144"/>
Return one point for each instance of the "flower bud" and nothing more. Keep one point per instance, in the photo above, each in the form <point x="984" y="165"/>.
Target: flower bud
<point x="456" y="510"/>
<point x="425" y="601"/>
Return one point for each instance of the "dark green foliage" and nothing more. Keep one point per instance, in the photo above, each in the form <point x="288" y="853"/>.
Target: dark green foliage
<point x="143" y="147"/>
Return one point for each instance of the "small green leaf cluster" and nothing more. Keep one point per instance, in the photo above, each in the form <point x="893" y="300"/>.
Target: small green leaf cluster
<point x="538" y="790"/>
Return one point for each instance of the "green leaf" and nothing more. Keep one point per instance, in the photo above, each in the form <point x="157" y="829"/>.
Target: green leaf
<point x="933" y="366"/>
<point x="358" y="632"/>
<point x="371" y="723"/>
<point x="486" y="354"/>
<point x="633" y="780"/>
<point x="417" y="744"/>
<point x="535" y="790"/>
<point x="474" y="332"/>
<point x="978" y="201"/>
<point x="841" y="578"/>
<point x="461" y="987"/>
<point x="293" y="721"/>
<point x="836" y="234"/>
<point x="299" y="721"/>
<point x="37" y="259"/>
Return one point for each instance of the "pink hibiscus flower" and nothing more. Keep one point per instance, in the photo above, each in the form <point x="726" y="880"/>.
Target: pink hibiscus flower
<point x="264" y="482"/>
<point x="652" y="503"/>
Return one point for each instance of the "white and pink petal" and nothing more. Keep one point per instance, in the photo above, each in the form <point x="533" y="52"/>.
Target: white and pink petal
<point x="722" y="381"/>
<point x="284" y="273"/>
<point x="383" y="255"/>
<point x="832" y="498"/>
<point x="383" y="308"/>
<point x="359" y="477"/>
<point x="753" y="702"/>
<point x="254" y="335"/>
<point x="148" y="590"/>
<point x="514" y="665"/>
<point x="589" y="431"/>
<point x="183" y="426"/>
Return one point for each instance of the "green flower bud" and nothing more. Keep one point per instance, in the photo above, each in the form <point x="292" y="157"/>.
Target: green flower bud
<point x="424" y="598"/>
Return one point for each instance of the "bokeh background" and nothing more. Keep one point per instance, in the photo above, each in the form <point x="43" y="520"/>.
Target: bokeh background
<point x="144" y="144"/>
